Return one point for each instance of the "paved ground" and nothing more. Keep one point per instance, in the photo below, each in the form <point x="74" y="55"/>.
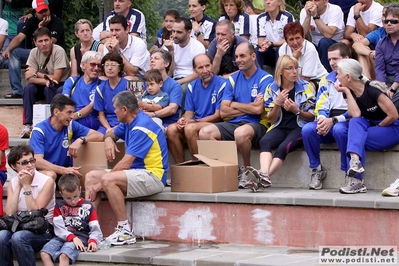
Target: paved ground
<point x="11" y="118"/>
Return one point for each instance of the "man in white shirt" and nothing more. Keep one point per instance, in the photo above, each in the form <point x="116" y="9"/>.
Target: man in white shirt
<point x="134" y="16"/>
<point x="364" y="17"/>
<point x="136" y="58"/>
<point x="183" y="49"/>
<point x="325" y="23"/>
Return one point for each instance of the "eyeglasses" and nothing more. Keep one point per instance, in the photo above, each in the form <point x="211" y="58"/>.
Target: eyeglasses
<point x="74" y="198"/>
<point x="110" y="65"/>
<point x="290" y="68"/>
<point x="93" y="65"/>
<point x="26" y="162"/>
<point x="393" y="21"/>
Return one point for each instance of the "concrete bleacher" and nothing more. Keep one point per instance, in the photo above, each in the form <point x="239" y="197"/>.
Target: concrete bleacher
<point x="6" y="88"/>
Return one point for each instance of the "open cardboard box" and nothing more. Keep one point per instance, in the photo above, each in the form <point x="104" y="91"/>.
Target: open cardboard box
<point x="215" y="170"/>
<point x="91" y="156"/>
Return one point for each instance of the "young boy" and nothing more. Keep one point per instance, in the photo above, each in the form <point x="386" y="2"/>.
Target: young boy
<point x="75" y="225"/>
<point x="153" y="98"/>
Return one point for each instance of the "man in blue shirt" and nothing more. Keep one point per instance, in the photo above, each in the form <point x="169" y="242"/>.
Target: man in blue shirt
<point x="242" y="105"/>
<point x="141" y="172"/>
<point x="57" y="140"/>
<point x="202" y="108"/>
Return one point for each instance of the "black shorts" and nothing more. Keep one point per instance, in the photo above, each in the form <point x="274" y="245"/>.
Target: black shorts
<point x="227" y="129"/>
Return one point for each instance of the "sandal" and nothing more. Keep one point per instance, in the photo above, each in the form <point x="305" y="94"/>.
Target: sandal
<point x="13" y="96"/>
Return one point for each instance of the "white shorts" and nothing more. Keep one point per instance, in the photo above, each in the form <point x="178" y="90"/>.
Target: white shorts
<point x="142" y="183"/>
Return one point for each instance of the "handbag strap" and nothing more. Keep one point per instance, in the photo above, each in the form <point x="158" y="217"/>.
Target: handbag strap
<point x="46" y="61"/>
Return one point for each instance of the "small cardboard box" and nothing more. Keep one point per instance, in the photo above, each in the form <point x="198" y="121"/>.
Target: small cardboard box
<point x="40" y="112"/>
<point x="215" y="170"/>
<point x="91" y="156"/>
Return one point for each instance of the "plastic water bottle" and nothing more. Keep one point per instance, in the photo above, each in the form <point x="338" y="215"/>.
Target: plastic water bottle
<point x="104" y="244"/>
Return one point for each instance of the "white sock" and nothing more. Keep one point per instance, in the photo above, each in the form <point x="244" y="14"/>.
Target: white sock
<point x="125" y="224"/>
<point x="318" y="167"/>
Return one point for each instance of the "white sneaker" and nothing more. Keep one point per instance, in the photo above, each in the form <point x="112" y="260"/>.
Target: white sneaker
<point x="392" y="190"/>
<point x="121" y="236"/>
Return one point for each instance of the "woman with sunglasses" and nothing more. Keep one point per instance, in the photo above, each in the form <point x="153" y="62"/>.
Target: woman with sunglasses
<point x="112" y="64"/>
<point x="29" y="190"/>
<point x="289" y="103"/>
<point x="84" y="31"/>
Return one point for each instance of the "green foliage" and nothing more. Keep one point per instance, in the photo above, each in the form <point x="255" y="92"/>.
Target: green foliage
<point x="152" y="18"/>
<point x="72" y="12"/>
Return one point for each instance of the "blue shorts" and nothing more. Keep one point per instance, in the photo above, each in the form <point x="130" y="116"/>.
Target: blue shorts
<point x="56" y="246"/>
<point x="3" y="177"/>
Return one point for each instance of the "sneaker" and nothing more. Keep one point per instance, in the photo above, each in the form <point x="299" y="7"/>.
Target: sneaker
<point x="121" y="236"/>
<point x="355" y="167"/>
<point x="260" y="177"/>
<point x="392" y="190"/>
<point x="252" y="185"/>
<point x="242" y="177"/>
<point x="355" y="185"/>
<point x="26" y="132"/>
<point x="316" y="178"/>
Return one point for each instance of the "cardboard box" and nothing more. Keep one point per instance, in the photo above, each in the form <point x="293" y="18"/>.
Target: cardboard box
<point x="40" y="112"/>
<point x="215" y="170"/>
<point x="91" y="156"/>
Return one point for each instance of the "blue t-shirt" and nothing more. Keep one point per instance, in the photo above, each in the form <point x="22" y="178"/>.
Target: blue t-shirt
<point x="173" y="89"/>
<point x="243" y="90"/>
<point x="103" y="100"/>
<point x="375" y="36"/>
<point x="162" y="98"/>
<point x="54" y="144"/>
<point x="145" y="140"/>
<point x="204" y="101"/>
<point x="82" y="94"/>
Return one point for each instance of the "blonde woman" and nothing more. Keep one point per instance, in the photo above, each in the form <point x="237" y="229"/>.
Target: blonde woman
<point x="290" y="103"/>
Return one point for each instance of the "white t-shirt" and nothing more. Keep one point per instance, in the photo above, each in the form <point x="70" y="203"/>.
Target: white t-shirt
<point x="333" y="16"/>
<point x="309" y="61"/>
<point x="273" y="31"/>
<point x="372" y="15"/>
<point x="136" y="53"/>
<point x="253" y="29"/>
<point x="183" y="57"/>
<point x="3" y="27"/>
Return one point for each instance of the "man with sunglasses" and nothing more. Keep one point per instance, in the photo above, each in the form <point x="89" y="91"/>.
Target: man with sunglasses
<point x="48" y="68"/>
<point x="56" y="140"/>
<point x="82" y="89"/>
<point x="387" y="54"/>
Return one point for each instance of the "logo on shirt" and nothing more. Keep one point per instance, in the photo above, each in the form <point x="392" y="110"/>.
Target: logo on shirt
<point x="213" y="100"/>
<point x="372" y="109"/>
<point x="254" y="90"/>
<point x="65" y="141"/>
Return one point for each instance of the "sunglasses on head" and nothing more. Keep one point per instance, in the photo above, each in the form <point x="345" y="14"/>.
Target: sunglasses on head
<point x="26" y="162"/>
<point x="393" y="21"/>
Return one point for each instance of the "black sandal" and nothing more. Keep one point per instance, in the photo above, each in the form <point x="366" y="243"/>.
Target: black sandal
<point x="13" y="96"/>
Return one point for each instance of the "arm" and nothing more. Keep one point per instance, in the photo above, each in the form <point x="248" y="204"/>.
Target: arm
<point x="188" y="78"/>
<point x="74" y="63"/>
<point x="13" y="198"/>
<point x="305" y="17"/>
<point x="125" y="163"/>
<point x="234" y="109"/>
<point x="85" y="111"/>
<point x="325" y="30"/>
<point x="44" y="197"/>
<point x="211" y="118"/>
<point x="103" y="120"/>
<point x="43" y="164"/>
<point x="13" y="44"/>
<point x="389" y="108"/>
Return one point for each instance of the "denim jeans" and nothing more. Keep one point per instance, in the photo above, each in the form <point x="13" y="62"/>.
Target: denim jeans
<point x="18" y="57"/>
<point x="23" y="244"/>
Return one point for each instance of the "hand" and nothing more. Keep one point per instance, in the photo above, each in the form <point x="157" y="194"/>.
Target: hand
<point x="25" y="177"/>
<point x="264" y="46"/>
<point x="357" y="37"/>
<point x="27" y="16"/>
<point x="282" y="97"/>
<point x="73" y="170"/>
<point x="222" y="47"/>
<point x="112" y="44"/>
<point x="308" y="6"/>
<point x="342" y="89"/>
<point x="6" y="54"/>
<point x="181" y="123"/>
<point x="168" y="44"/>
<point x="196" y="26"/>
<point x="372" y="55"/>
<point x="258" y="98"/>
<point x="290" y="106"/>
<point x="358" y="7"/>
<point x="389" y="94"/>
<point x="110" y="148"/>
<point x="313" y="10"/>
<point x="297" y="53"/>
<point x="92" y="247"/>
<point x="29" y="71"/>
<point x="324" y="125"/>
<point x="78" y="244"/>
<point x="45" y="21"/>
<point x="74" y="147"/>
<point x="93" y="192"/>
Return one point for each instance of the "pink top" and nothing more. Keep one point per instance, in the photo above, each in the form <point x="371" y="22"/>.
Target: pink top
<point x="37" y="185"/>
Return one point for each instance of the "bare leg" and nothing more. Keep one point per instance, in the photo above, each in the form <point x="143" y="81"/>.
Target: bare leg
<point x="210" y="132"/>
<point x="191" y="132"/>
<point x="92" y="180"/>
<point x="276" y="165"/>
<point x="175" y="137"/>
<point x="64" y="260"/>
<point x="115" y="186"/>
<point x="243" y="136"/>
<point x="265" y="161"/>
<point x="46" y="259"/>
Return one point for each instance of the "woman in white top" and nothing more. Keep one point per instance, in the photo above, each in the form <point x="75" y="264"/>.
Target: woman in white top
<point x="304" y="51"/>
<point x="203" y="26"/>
<point x="233" y="10"/>
<point x="29" y="190"/>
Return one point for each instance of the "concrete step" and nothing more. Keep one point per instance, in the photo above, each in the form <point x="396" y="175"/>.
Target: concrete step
<point x="5" y="86"/>
<point x="10" y="101"/>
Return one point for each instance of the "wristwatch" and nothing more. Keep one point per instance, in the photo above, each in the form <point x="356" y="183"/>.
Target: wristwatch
<point x="355" y="17"/>
<point x="196" y="34"/>
<point x="391" y="89"/>
<point x="154" y="114"/>
<point x="316" y="17"/>
<point x="79" y="114"/>
<point x="27" y="192"/>
<point x="35" y="75"/>
<point x="334" y="120"/>
<point x="83" y="140"/>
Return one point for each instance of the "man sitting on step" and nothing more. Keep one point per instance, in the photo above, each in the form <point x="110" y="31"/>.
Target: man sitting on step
<point x="330" y="115"/>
